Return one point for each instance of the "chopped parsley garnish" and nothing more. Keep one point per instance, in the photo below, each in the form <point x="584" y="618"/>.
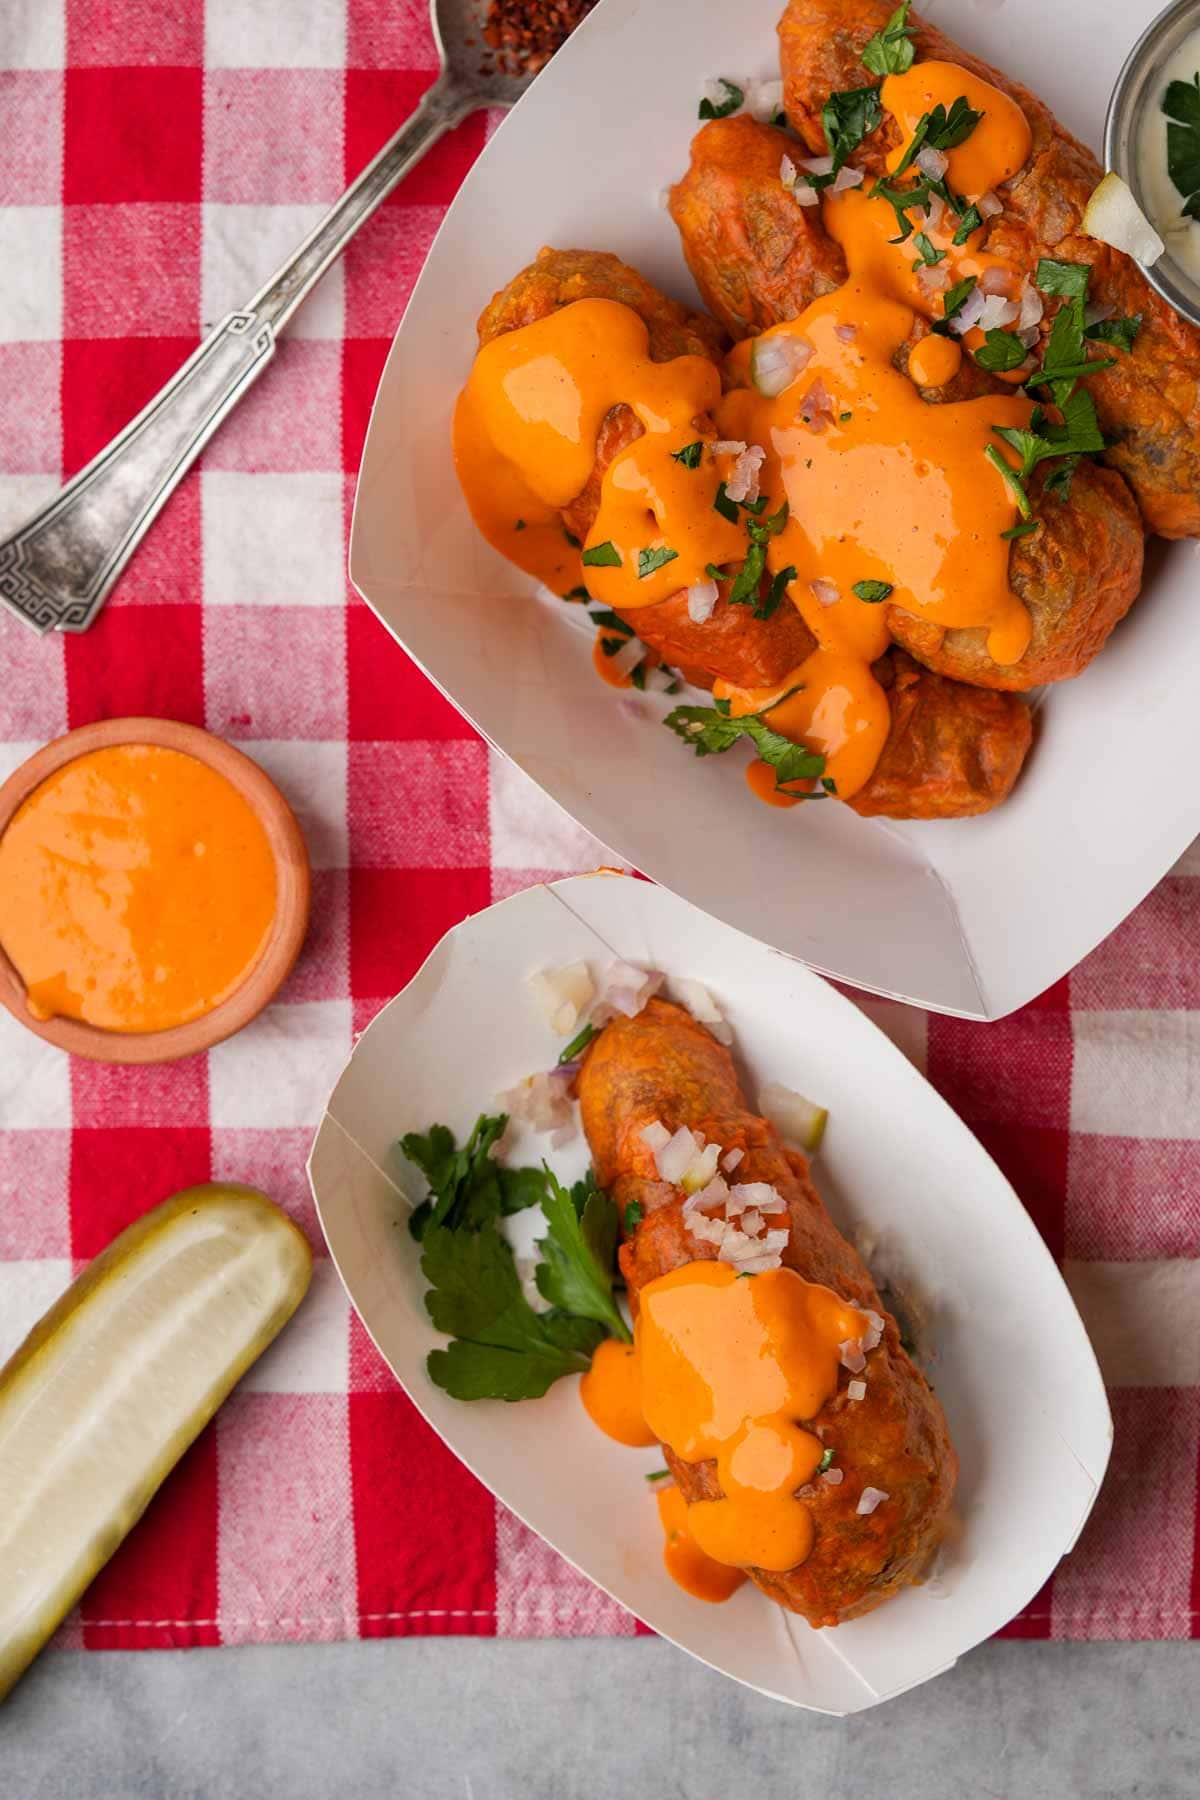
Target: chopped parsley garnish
<point x="651" y="559"/>
<point x="766" y="609"/>
<point x="574" y="542"/>
<point x="927" y="256"/>
<point x="721" y="109"/>
<point x="1064" y="358"/>
<point x="872" y="591"/>
<point x="1070" y="280"/>
<point x="940" y="130"/>
<point x="1022" y="528"/>
<point x="578" y="1044"/>
<point x="829" y="784"/>
<point x="1122" y="332"/>
<point x="848" y="118"/>
<point x="633" y="1215"/>
<point x="610" y="645"/>
<point x="744" y="591"/>
<point x="710" y="730"/>
<point x="602" y="556"/>
<point x="825" y="1461"/>
<point x="577" y="593"/>
<point x="1181" y="104"/>
<point x="690" y="455"/>
<point x="727" y="508"/>
<point x="610" y="620"/>
<point x="465" y="1186"/>
<point x="754" y="506"/>
<point x="502" y="1349"/>
<point x="953" y="301"/>
<point x="1078" y="435"/>
<point x="1000" y="351"/>
<point x="970" y="221"/>
<point x="890" y="51"/>
<point x="658" y="1474"/>
<point x="520" y="525"/>
<point x="714" y="572"/>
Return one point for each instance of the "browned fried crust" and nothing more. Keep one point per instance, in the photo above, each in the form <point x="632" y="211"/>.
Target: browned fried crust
<point x="663" y="1065"/>
<point x="1149" y="402"/>
<point x="952" y="750"/>
<point x="558" y="278"/>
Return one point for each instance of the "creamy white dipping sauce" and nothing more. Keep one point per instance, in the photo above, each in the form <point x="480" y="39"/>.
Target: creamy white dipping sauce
<point x="1160" y="197"/>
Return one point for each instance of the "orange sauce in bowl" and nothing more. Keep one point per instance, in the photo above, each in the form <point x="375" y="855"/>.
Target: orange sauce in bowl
<point x="875" y="497"/>
<point x="137" y="889"/>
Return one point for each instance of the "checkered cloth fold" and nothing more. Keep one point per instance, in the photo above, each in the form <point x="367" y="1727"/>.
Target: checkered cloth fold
<point x="158" y="158"/>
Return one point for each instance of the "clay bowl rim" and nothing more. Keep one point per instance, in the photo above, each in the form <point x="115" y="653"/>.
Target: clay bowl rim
<point x="265" y="976"/>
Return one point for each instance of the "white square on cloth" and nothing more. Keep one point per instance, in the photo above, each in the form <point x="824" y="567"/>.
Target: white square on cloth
<point x="273" y="539"/>
<point x="245" y="34"/>
<point x="242" y="245"/>
<point x="312" y="1356"/>
<point x="27" y="1290"/>
<point x="35" y="1080"/>
<point x="278" y="1071"/>
<point x="31" y="258"/>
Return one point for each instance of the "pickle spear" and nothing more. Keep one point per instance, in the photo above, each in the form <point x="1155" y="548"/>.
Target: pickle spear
<point x="121" y="1375"/>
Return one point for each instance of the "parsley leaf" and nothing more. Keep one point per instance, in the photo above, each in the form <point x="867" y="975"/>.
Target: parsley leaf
<point x="651" y="559"/>
<point x="1181" y="104"/>
<point x="890" y="51"/>
<point x="611" y="620"/>
<point x="602" y="556"/>
<point x="576" y="1273"/>
<point x="710" y="730"/>
<point x="721" y="109"/>
<point x="953" y="301"/>
<point x="848" y="118"/>
<point x="577" y="593"/>
<point x="745" y="589"/>
<point x="1000" y="351"/>
<point x="502" y="1349"/>
<point x="970" y="221"/>
<point x="926" y="254"/>
<point x="766" y="609"/>
<point x="634" y="1214"/>
<point x="466" y="1188"/>
<point x="872" y="591"/>
<point x="724" y="505"/>
<point x="947" y="130"/>
<point x="1122" y="332"/>
<point x="1065" y="358"/>
<point x="690" y="455"/>
<point x="1078" y="435"/>
<point x="1022" y="528"/>
<point x="826" y="1459"/>
<point x="578" y="1044"/>
<point x="1068" y="279"/>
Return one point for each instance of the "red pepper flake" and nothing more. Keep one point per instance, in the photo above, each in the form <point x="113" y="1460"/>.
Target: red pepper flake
<point x="524" y="34"/>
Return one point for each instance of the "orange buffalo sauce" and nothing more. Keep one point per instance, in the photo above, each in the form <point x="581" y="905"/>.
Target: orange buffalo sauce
<point x="730" y="1366"/>
<point x="612" y="1395"/>
<point x="137" y="889"/>
<point x="687" y="1564"/>
<point x="884" y="493"/>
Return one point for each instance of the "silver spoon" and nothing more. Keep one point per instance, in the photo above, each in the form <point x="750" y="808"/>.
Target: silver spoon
<point x="57" y="570"/>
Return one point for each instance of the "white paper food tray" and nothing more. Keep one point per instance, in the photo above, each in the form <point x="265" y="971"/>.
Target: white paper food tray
<point x="972" y="917"/>
<point x="1012" y="1364"/>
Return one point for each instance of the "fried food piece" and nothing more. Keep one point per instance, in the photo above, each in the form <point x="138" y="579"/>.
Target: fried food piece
<point x="663" y="1065"/>
<point x="952" y="750"/>
<point x="558" y="278"/>
<point x="756" y="256"/>
<point x="1148" y="403"/>
<point x="1078" y="574"/>
<point x="731" y="643"/>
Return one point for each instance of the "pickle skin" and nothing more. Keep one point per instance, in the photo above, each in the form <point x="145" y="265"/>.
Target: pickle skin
<point x="81" y="1563"/>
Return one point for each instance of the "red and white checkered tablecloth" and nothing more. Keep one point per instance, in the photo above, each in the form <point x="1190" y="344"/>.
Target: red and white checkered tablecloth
<point x="157" y="158"/>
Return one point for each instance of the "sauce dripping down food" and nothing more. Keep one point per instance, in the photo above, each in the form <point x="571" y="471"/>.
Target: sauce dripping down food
<point x="865" y="497"/>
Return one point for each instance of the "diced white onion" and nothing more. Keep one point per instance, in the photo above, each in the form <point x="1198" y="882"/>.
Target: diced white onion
<point x="995" y="281"/>
<point x="736" y="1246"/>
<point x="776" y="361"/>
<point x="968" y="314"/>
<point x="727" y="447"/>
<point x="846" y="177"/>
<point x="702" y="597"/>
<point x="834" y="1477"/>
<point x="787" y="172"/>
<point x="827" y="592"/>
<point x="804" y="195"/>
<point x="743" y="477"/>
<point x="660" y="680"/>
<point x="758" y="1265"/>
<point x="935" y="212"/>
<point x="871" y="1498"/>
<point x="856" y="1390"/>
<point x="816" y="406"/>
<point x="731" y="1159"/>
<point x="562" y="995"/>
<point x="791" y="1114"/>
<point x="704" y="1229"/>
<point x="752" y="1222"/>
<point x="626" y="659"/>
<point x="847" y="333"/>
<point x="542" y="1103"/>
<point x="874" y="1332"/>
<point x="703" y="1008"/>
<point x="764" y="99"/>
<point x="997" y="311"/>
<point x="1029" y="336"/>
<point x="773" y="1241"/>
<point x="701" y="1170"/>
<point x="932" y="162"/>
<point x="716" y="92"/>
<point x="655" y="1135"/>
<point x="817" y="165"/>
<point x="1033" y="307"/>
<point x="624" y="989"/>
<point x="708" y="1198"/>
<point x="751" y="1193"/>
<point x="677" y="1155"/>
<point x="851" y="1357"/>
<point x="933" y="280"/>
<point x="990" y="206"/>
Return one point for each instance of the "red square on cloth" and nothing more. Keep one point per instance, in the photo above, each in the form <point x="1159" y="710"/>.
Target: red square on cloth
<point x="388" y="695"/>
<point x="291" y="419"/>
<point x="377" y="103"/>
<point x="362" y="365"/>
<point x="137" y="661"/>
<point x="120" y="1172"/>
<point x="382" y="265"/>
<point x="132" y="134"/>
<point x="131" y="269"/>
<point x="425" y="1529"/>
<point x="398" y="915"/>
<point x="165" y="570"/>
<point x="160" y="1589"/>
<point x="105" y="381"/>
<point x="395" y="36"/>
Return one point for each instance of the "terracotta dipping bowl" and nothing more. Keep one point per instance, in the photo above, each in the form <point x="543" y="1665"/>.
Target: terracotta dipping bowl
<point x="275" y="960"/>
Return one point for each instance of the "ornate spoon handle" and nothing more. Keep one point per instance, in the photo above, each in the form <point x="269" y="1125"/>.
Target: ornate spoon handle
<point x="57" y="570"/>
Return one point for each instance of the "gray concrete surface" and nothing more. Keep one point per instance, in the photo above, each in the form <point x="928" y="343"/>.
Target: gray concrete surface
<point x="471" y="1719"/>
